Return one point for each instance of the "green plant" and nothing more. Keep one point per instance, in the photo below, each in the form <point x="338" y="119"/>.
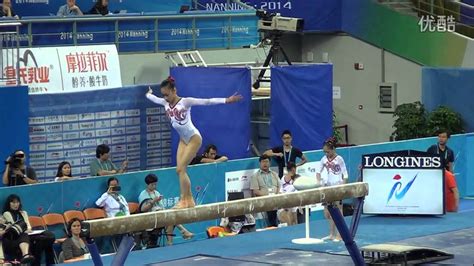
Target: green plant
<point x="336" y="132"/>
<point x="410" y="121"/>
<point x="444" y="118"/>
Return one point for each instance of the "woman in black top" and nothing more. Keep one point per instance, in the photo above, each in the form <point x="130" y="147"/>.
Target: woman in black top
<point x="14" y="213"/>
<point x="101" y="7"/>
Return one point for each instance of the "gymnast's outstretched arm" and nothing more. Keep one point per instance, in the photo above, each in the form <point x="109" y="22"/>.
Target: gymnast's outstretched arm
<point x="197" y="101"/>
<point x="153" y="98"/>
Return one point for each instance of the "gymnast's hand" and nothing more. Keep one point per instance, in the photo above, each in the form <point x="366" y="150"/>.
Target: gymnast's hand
<point x="234" y="98"/>
<point x="150" y="91"/>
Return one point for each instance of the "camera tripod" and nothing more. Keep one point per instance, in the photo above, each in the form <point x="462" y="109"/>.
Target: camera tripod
<point x="275" y="37"/>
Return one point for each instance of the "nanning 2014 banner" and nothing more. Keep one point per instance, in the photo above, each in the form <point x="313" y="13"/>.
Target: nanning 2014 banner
<point x="403" y="182"/>
<point x="321" y="15"/>
<point x="62" y="69"/>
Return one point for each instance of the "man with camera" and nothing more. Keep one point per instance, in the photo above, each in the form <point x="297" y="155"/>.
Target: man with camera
<point x="17" y="172"/>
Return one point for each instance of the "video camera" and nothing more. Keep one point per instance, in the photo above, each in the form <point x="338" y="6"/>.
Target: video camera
<point x="275" y="22"/>
<point x="14" y="160"/>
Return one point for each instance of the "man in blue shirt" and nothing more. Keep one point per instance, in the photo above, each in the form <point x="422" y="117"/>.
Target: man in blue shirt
<point x="69" y="9"/>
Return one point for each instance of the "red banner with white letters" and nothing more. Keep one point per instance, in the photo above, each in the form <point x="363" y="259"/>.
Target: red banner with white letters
<point x="62" y="69"/>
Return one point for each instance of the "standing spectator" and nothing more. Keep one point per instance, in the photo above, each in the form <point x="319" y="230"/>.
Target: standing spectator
<point x="209" y="156"/>
<point x="64" y="172"/>
<point x="74" y="246"/>
<point x="16" y="172"/>
<point x="69" y="9"/>
<point x="337" y="174"/>
<point x="151" y="200"/>
<point x="7" y="10"/>
<point x="288" y="216"/>
<point x="265" y="182"/>
<point x="114" y="204"/>
<point x="286" y="153"/>
<point x="441" y="148"/>
<point x="102" y="165"/>
<point x="101" y="7"/>
<point x="451" y="192"/>
<point x="14" y="214"/>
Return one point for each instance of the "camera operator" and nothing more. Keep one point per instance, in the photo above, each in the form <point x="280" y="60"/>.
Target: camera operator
<point x="16" y="172"/>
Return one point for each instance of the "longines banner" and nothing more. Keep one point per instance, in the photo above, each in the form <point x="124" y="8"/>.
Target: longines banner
<point x="403" y="182"/>
<point x="63" y="69"/>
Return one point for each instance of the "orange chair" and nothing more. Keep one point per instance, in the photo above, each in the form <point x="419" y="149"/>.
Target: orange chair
<point x="69" y="215"/>
<point x="52" y="219"/>
<point x="213" y="231"/>
<point x="94" y="213"/>
<point x="36" y="222"/>
<point x="133" y="207"/>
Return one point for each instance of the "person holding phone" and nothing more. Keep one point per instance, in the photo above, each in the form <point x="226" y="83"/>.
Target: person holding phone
<point x="114" y="204"/>
<point x="151" y="200"/>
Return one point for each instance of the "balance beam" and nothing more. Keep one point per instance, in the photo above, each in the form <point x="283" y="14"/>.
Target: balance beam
<point x="150" y="220"/>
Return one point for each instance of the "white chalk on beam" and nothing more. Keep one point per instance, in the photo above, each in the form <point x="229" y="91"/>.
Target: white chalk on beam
<point x="306" y="182"/>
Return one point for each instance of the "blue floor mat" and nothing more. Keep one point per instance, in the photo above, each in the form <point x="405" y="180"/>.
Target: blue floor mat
<point x="372" y="230"/>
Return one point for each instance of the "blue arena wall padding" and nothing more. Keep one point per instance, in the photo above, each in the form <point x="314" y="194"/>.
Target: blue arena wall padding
<point x="225" y="125"/>
<point x="301" y="101"/>
<point x="452" y="87"/>
<point x="13" y="120"/>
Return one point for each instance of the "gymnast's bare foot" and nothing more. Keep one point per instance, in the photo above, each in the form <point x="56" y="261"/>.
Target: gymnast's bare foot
<point x="183" y="204"/>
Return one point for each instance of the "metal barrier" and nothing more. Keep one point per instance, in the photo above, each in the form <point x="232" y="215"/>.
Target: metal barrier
<point x="144" y="33"/>
<point x="9" y="51"/>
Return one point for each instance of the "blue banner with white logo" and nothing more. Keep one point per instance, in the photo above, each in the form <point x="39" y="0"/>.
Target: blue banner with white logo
<point x="69" y="126"/>
<point x="225" y="125"/>
<point x="318" y="15"/>
<point x="146" y="34"/>
<point x="302" y="103"/>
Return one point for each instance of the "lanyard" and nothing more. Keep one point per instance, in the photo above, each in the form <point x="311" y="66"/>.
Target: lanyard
<point x="289" y="155"/>
<point x="445" y="152"/>
<point x="102" y="166"/>
<point x="267" y="179"/>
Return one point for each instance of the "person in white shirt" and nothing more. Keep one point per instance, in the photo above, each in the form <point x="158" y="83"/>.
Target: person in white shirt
<point x="288" y="216"/>
<point x="335" y="168"/>
<point x="114" y="204"/>
<point x="178" y="110"/>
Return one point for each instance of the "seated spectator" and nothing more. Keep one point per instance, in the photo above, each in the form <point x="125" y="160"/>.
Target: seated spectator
<point x="7" y="10"/>
<point x="114" y="204"/>
<point x="17" y="172"/>
<point x="239" y="227"/>
<point x="288" y="216"/>
<point x="74" y="247"/>
<point x="151" y="200"/>
<point x="451" y="192"/>
<point x="11" y="242"/>
<point x="69" y="9"/>
<point x="64" y="172"/>
<point x="265" y="182"/>
<point x="209" y="156"/>
<point x="14" y="214"/>
<point x="102" y="165"/>
<point x="238" y="224"/>
<point x="101" y="7"/>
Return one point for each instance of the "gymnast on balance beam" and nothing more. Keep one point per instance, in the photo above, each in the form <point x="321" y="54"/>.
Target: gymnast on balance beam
<point x="178" y="110"/>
